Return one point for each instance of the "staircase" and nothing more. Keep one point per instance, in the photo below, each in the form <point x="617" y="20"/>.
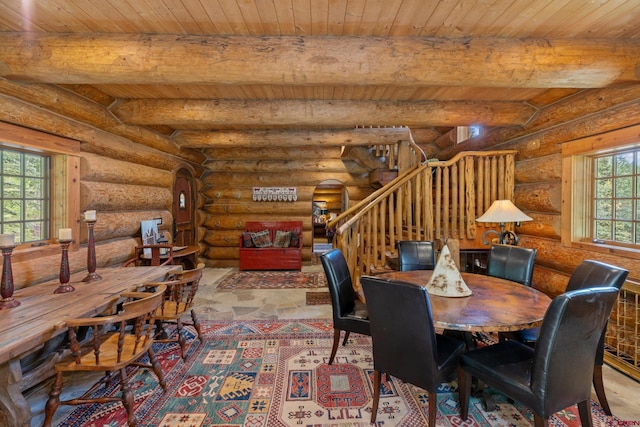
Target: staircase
<point x="427" y="201"/>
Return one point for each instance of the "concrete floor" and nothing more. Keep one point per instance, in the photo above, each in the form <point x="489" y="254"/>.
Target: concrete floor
<point x="213" y="304"/>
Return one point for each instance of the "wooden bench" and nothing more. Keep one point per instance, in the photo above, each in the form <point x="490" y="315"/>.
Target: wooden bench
<point x="41" y="318"/>
<point x="271" y="258"/>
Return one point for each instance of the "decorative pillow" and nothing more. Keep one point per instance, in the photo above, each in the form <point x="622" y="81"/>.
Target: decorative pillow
<point x="282" y="240"/>
<point x="246" y="240"/>
<point x="261" y="239"/>
<point x="295" y="239"/>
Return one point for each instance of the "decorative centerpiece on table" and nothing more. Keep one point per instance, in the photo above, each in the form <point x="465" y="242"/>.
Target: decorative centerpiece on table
<point x="446" y="280"/>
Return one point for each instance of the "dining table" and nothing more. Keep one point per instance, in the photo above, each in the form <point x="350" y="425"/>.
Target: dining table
<point x="495" y="305"/>
<point x="41" y="317"/>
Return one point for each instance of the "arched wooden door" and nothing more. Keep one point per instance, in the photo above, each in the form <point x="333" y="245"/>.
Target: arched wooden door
<point x="183" y="209"/>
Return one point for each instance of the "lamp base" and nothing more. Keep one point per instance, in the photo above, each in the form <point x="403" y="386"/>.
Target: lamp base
<point x="504" y="238"/>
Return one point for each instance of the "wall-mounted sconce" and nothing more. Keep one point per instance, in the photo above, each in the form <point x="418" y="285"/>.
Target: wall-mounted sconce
<point x="501" y="212"/>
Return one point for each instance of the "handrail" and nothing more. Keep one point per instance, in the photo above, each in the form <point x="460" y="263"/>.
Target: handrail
<point x="438" y="199"/>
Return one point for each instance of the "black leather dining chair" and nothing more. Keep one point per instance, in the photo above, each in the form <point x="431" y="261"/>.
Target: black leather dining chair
<point x="513" y="263"/>
<point x="589" y="274"/>
<point x="556" y="373"/>
<point x="405" y="343"/>
<point x="416" y="255"/>
<point x="349" y="314"/>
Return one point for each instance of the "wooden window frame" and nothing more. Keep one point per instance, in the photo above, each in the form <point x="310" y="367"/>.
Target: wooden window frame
<point x="577" y="190"/>
<point x="65" y="184"/>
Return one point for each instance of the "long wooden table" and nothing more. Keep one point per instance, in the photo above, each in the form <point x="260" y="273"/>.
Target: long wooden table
<point x="42" y="316"/>
<point x="497" y="305"/>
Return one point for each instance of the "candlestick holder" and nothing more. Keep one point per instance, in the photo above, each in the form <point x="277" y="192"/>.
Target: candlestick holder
<point x="65" y="275"/>
<point x="6" y="289"/>
<point x="91" y="254"/>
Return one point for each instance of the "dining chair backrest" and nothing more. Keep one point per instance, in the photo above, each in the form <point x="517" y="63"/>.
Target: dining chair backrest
<point x="563" y="363"/>
<point x="402" y="331"/>
<point x="339" y="282"/>
<point x="416" y="255"/>
<point x="512" y="263"/>
<point x="590" y="273"/>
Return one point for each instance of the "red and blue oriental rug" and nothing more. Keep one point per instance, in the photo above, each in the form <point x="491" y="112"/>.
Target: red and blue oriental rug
<point x="271" y="374"/>
<point x="273" y="280"/>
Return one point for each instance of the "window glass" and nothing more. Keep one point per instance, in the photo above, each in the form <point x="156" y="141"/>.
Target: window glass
<point x="24" y="178"/>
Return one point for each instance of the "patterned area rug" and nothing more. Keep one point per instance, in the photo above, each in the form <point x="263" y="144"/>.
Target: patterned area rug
<point x="272" y="280"/>
<point x="317" y="298"/>
<point x="274" y="374"/>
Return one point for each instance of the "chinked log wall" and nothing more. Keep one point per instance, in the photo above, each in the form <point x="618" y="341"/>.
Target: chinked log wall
<point x="126" y="173"/>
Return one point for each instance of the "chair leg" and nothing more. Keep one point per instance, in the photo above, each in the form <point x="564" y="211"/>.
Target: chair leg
<point x="538" y="421"/>
<point x="433" y="408"/>
<point x="181" y="339"/>
<point x="598" y="385"/>
<point x="196" y="324"/>
<point x="157" y="369"/>
<point x="584" y="410"/>
<point x="127" y="398"/>
<point x="54" y="400"/>
<point x="336" y="340"/>
<point x="346" y="337"/>
<point x="464" y="392"/>
<point x="376" y="395"/>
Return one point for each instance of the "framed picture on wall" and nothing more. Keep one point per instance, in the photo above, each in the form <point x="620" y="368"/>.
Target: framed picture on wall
<point x="149" y="231"/>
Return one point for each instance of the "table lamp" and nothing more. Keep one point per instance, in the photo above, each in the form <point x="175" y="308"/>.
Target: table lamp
<point x="501" y="212"/>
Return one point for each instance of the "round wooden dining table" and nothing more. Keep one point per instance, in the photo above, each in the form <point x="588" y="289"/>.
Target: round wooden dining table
<point x="496" y="305"/>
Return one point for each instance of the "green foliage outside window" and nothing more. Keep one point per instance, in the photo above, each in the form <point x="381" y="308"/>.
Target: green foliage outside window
<point x="24" y="178"/>
<point x="617" y="197"/>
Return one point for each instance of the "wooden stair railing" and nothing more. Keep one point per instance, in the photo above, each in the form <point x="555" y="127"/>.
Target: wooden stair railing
<point x="435" y="200"/>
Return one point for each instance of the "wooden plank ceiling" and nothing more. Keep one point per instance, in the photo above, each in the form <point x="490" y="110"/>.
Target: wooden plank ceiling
<point x="187" y="68"/>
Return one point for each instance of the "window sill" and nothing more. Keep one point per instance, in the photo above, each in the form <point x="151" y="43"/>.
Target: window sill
<point x="621" y="251"/>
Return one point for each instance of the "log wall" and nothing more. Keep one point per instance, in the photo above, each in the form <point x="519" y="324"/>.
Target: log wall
<point x="538" y="176"/>
<point x="125" y="178"/>
<point x="228" y="184"/>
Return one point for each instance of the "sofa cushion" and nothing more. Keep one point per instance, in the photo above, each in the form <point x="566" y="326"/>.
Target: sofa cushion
<point x="262" y="239"/>
<point x="247" y="242"/>
<point x="295" y="239"/>
<point x="282" y="239"/>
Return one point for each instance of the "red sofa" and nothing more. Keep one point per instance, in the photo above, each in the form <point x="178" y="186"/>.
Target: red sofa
<point x="271" y="257"/>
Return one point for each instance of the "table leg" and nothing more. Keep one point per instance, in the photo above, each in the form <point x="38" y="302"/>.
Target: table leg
<point x="14" y="408"/>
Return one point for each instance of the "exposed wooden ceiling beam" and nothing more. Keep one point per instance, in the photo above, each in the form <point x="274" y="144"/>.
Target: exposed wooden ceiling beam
<point x="208" y="114"/>
<point x="321" y="60"/>
<point x="289" y="138"/>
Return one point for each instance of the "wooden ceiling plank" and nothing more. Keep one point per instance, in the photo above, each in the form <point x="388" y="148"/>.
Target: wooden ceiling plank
<point x="302" y="17"/>
<point x="191" y="16"/>
<point x="268" y="16"/>
<point x="284" y="13"/>
<point x="251" y="17"/>
<point x="387" y="17"/>
<point x="218" y="16"/>
<point x="319" y="17"/>
<point x="451" y="24"/>
<point x="336" y="17"/>
<point x="353" y="17"/>
<point x="510" y="23"/>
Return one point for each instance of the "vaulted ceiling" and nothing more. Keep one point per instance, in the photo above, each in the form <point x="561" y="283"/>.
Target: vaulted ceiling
<point x="202" y="72"/>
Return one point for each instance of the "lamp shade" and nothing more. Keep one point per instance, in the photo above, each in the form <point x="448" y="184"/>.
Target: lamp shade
<point x="502" y="211"/>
